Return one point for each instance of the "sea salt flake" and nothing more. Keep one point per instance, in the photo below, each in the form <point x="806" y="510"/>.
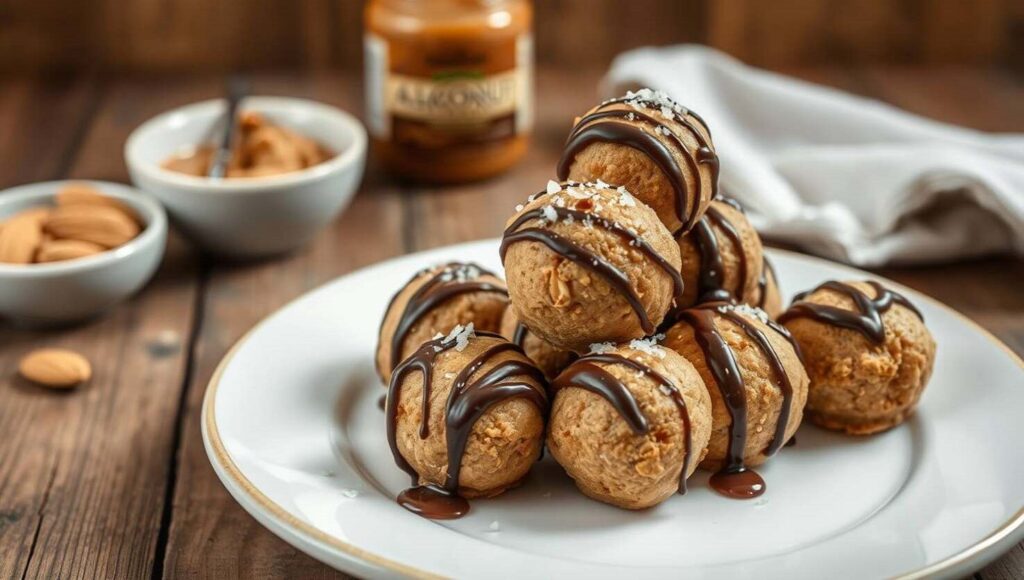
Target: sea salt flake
<point x="519" y="207"/>
<point x="550" y="214"/>
<point x="625" y="199"/>
<point x="553" y="187"/>
<point x="462" y="336"/>
<point x="602" y="347"/>
<point x="667" y="112"/>
<point x="751" y="311"/>
<point x="600" y="184"/>
<point x="649" y="345"/>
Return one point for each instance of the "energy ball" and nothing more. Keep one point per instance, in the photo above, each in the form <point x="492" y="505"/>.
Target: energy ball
<point x="654" y="147"/>
<point x="753" y="371"/>
<point x="867" y="351"/>
<point x="484" y="426"/>
<point x="589" y="263"/>
<point x="769" y="298"/>
<point x="629" y="423"/>
<point x="436" y="300"/>
<point x="549" y="358"/>
<point x="722" y="257"/>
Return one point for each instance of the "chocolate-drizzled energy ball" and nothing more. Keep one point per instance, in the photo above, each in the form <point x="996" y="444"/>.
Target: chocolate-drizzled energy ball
<point x="549" y="358"/>
<point x="465" y="418"/>
<point x="867" y="351"/>
<point x="436" y="300"/>
<point x="758" y="388"/>
<point x="722" y="257"/>
<point x="653" y="146"/>
<point x="589" y="263"/>
<point x="630" y="423"/>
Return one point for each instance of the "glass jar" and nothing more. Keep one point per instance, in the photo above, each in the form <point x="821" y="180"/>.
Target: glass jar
<point x="449" y="86"/>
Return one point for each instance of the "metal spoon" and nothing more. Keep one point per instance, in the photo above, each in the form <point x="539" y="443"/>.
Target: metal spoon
<point x="237" y="90"/>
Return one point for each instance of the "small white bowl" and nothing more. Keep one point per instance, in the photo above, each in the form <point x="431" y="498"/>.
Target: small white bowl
<point x="74" y="290"/>
<point x="250" y="217"/>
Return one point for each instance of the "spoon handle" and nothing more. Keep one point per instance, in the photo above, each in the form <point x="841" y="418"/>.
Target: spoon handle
<point x="237" y="90"/>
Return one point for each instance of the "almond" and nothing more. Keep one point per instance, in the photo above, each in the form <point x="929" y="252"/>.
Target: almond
<point x="85" y="194"/>
<point x="58" y="250"/>
<point x="20" y="238"/>
<point x="106" y="226"/>
<point x="558" y="289"/>
<point x="55" y="367"/>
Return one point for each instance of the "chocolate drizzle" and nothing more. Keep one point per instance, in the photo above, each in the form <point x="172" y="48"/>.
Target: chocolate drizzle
<point x="584" y="374"/>
<point x="583" y="257"/>
<point x="767" y="269"/>
<point x="467" y="402"/>
<point x="614" y="126"/>
<point x="735" y="479"/>
<point x="442" y="285"/>
<point x="711" y="279"/>
<point x="519" y="334"/>
<point x="867" y="320"/>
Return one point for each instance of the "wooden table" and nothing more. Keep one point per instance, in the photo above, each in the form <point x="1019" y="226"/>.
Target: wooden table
<point x="111" y="480"/>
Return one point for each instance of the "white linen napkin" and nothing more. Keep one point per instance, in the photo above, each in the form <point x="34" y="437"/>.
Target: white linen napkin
<point x="849" y="178"/>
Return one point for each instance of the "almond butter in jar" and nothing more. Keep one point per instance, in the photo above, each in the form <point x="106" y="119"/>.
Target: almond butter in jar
<point x="449" y="86"/>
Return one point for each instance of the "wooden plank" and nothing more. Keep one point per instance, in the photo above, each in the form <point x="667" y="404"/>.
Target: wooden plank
<point x="210" y="534"/>
<point x="27" y="463"/>
<point x="85" y="472"/>
<point x="43" y="121"/>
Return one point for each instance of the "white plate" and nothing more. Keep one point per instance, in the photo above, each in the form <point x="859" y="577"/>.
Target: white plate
<point x="292" y="427"/>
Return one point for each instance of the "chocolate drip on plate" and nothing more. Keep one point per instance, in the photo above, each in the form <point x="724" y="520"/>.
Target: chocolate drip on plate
<point x="867" y="320"/>
<point x="467" y="402"/>
<point x="584" y="374"/>
<point x="583" y="257"/>
<point x="434" y="292"/>
<point x="613" y="126"/>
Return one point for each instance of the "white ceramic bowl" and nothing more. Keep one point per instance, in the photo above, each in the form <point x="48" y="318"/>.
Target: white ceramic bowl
<point x="250" y="217"/>
<point x="74" y="290"/>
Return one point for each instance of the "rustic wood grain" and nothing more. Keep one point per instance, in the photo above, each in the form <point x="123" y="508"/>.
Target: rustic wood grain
<point x="84" y="474"/>
<point x="28" y="456"/>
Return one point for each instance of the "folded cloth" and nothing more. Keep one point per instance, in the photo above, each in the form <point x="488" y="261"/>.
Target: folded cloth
<point x="838" y="175"/>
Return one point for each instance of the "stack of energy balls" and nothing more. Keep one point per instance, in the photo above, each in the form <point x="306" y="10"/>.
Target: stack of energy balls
<point x="638" y="337"/>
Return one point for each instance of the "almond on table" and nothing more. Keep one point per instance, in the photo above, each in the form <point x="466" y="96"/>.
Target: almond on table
<point x="55" y="368"/>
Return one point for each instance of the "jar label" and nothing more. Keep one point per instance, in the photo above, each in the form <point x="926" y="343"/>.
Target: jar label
<point x="429" y="98"/>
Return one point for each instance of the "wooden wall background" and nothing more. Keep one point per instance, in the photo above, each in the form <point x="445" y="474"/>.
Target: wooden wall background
<point x="218" y="35"/>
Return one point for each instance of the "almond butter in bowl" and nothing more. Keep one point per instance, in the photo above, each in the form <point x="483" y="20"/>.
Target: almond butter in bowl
<point x="83" y="222"/>
<point x="261" y="149"/>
